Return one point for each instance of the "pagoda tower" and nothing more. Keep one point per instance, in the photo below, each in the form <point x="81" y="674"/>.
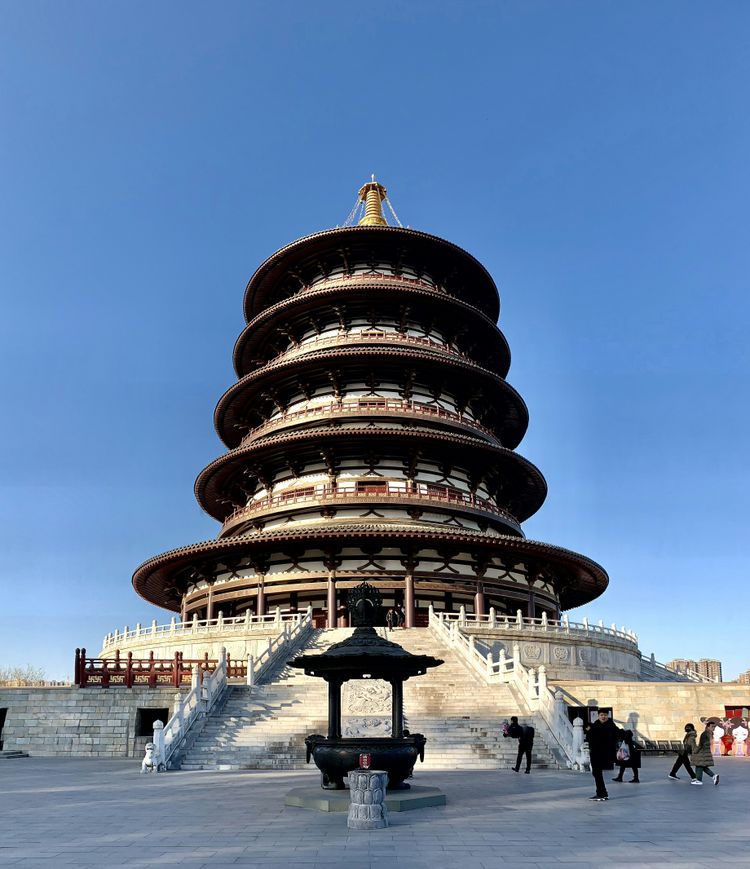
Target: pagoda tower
<point x="371" y="435"/>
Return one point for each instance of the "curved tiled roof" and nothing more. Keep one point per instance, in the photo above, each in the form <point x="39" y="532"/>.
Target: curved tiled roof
<point x="517" y="413"/>
<point x="208" y="487"/>
<point x="580" y="579"/>
<point x="270" y="272"/>
<point x="315" y="298"/>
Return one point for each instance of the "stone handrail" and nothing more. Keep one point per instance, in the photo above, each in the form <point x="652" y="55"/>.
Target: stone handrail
<point x="198" y="627"/>
<point x="280" y="647"/>
<point x="529" y="686"/>
<point x="650" y="667"/>
<point x="204" y="692"/>
<point x="540" y="625"/>
<point x="207" y="689"/>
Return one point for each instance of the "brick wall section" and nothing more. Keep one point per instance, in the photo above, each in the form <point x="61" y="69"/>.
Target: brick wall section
<point x="89" y="722"/>
<point x="656" y="710"/>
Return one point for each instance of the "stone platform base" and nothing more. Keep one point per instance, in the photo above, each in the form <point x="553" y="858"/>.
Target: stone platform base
<point x="418" y="797"/>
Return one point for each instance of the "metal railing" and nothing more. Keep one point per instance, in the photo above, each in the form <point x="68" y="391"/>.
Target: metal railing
<point x="379" y="491"/>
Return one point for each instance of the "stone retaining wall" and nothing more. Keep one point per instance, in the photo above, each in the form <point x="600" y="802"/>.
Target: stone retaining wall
<point x="564" y="655"/>
<point x="83" y="722"/>
<point x="656" y="710"/>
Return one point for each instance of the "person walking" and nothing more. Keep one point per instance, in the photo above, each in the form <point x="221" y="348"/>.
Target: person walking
<point x="524" y="733"/>
<point x="689" y="745"/>
<point x="400" y="619"/>
<point x="602" y="737"/>
<point x="702" y="757"/>
<point x="390" y="617"/>
<point x="628" y="757"/>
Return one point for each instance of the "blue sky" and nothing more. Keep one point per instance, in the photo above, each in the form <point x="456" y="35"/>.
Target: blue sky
<point x="593" y="155"/>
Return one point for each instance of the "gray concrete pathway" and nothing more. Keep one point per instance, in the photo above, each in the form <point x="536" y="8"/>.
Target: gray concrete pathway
<point x="103" y="813"/>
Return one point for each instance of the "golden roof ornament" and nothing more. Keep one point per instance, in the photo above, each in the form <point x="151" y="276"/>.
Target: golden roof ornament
<point x="373" y="194"/>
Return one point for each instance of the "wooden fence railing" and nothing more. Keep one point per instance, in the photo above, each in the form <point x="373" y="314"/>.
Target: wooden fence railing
<point x="129" y="672"/>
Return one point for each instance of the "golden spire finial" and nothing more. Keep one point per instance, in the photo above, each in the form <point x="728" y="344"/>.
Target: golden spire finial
<point x="372" y="194"/>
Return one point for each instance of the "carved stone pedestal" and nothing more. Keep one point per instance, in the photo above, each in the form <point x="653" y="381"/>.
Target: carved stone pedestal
<point x="367" y="810"/>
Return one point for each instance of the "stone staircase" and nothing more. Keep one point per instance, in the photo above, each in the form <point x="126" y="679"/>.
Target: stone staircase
<point x="264" y="727"/>
<point x="461" y="715"/>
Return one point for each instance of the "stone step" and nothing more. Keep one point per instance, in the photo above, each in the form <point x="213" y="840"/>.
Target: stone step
<point x="264" y="727"/>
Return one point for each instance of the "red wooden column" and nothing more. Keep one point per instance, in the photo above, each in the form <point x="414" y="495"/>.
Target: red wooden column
<point x="210" y="604"/>
<point x="331" y="618"/>
<point x="531" y="608"/>
<point x="479" y="606"/>
<point x="260" y="601"/>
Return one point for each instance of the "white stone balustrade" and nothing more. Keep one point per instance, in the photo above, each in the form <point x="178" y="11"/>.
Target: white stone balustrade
<point x="567" y="650"/>
<point x="207" y="688"/>
<point x="238" y="624"/>
<point x="654" y="671"/>
<point x="543" y="625"/>
<point x="240" y="636"/>
<point x="529" y="685"/>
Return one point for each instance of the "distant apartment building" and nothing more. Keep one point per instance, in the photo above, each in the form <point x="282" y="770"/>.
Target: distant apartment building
<point x="705" y="667"/>
<point x="744" y="678"/>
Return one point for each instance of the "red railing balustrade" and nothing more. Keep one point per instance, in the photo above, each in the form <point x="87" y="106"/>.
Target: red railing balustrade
<point x="151" y="672"/>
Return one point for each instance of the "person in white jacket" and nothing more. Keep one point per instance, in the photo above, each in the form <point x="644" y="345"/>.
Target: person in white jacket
<point x="740" y="738"/>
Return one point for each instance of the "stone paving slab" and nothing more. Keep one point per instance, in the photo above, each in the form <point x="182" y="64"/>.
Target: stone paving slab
<point x="314" y="798"/>
<point x="56" y="812"/>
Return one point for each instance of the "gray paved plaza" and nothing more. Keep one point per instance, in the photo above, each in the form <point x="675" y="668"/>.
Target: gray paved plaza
<point x="58" y="812"/>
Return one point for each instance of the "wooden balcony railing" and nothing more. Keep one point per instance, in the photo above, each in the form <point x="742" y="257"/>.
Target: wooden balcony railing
<point x="386" y="491"/>
<point x="366" y="406"/>
<point x="375" y="276"/>
<point x="354" y="339"/>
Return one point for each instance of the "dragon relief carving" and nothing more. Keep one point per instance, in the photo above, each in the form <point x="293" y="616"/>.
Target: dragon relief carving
<point x="366" y="697"/>
<point x="366" y="708"/>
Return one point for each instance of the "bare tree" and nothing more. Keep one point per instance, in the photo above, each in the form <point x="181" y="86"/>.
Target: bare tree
<point x="28" y="674"/>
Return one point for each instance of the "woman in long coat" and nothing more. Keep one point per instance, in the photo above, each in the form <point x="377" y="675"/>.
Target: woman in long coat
<point x="634" y="758"/>
<point x="702" y="757"/>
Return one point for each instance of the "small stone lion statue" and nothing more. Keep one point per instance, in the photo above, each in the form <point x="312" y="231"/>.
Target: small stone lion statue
<point x="149" y="763"/>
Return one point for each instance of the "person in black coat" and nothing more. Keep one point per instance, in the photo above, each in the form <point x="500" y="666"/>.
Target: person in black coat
<point x="524" y="733"/>
<point x="633" y="760"/>
<point x="602" y="736"/>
